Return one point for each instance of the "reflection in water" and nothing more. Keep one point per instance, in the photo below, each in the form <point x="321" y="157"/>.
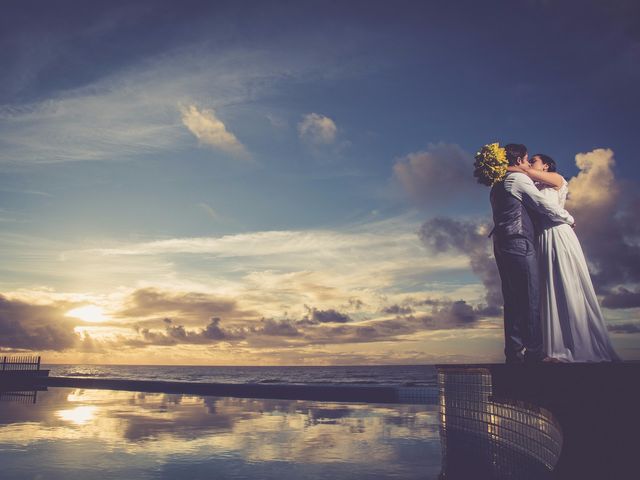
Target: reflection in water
<point x="78" y="415"/>
<point x="108" y="434"/>
<point x="20" y="396"/>
<point x="487" y="437"/>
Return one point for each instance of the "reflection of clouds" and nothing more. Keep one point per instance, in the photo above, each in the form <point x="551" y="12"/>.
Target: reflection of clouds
<point x="308" y="433"/>
<point x="255" y="430"/>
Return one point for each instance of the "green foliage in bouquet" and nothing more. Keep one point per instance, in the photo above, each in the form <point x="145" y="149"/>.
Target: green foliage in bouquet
<point x="491" y="164"/>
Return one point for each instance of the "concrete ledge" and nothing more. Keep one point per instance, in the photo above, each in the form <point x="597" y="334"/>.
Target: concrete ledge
<point x="331" y="393"/>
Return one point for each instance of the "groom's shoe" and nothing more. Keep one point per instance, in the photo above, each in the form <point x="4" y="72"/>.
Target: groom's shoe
<point x="516" y="358"/>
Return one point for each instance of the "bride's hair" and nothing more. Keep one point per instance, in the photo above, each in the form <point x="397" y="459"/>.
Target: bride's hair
<point x="548" y="161"/>
<point x="514" y="151"/>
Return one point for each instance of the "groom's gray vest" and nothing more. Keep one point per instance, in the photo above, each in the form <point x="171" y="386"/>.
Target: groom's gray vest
<point x="510" y="217"/>
<point x="514" y="249"/>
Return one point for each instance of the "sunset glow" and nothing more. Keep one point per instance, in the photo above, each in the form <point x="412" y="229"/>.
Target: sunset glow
<point x="88" y="313"/>
<point x="256" y="184"/>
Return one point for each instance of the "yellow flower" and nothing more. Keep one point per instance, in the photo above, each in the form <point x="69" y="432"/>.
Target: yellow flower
<point x="490" y="164"/>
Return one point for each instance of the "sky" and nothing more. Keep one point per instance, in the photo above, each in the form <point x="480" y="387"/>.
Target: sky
<point x="290" y="183"/>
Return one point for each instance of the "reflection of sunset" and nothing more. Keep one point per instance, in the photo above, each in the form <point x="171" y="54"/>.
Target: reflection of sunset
<point x="160" y="427"/>
<point x="88" y="313"/>
<point x="78" y="415"/>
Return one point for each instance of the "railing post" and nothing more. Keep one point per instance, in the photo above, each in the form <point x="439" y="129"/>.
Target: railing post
<point x="4" y="363"/>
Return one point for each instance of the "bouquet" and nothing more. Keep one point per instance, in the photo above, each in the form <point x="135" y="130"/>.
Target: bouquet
<point x="491" y="164"/>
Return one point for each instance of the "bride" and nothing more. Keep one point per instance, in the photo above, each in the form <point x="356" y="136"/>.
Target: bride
<point x="572" y="323"/>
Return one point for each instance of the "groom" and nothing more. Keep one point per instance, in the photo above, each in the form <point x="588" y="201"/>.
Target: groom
<point x="517" y="206"/>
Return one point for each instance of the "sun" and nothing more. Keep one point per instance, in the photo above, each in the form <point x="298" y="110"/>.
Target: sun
<point x="88" y="313"/>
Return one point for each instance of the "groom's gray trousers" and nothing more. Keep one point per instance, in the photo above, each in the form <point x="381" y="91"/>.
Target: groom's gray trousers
<point x="518" y="266"/>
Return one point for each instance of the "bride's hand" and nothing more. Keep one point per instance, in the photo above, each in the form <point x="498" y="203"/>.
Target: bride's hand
<point x="513" y="168"/>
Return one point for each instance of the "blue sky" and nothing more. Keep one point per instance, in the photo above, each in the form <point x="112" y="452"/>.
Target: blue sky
<point x="279" y="166"/>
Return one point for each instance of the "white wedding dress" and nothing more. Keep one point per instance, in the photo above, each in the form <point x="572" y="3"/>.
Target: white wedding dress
<point x="573" y="327"/>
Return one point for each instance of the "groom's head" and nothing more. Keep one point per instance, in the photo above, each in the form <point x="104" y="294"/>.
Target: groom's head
<point x="516" y="154"/>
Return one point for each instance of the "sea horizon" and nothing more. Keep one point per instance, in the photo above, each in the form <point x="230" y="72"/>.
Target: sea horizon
<point x="393" y="375"/>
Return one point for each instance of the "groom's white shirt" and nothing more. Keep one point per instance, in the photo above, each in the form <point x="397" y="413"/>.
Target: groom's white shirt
<point x="522" y="187"/>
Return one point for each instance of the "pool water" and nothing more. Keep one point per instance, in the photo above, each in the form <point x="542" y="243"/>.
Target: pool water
<point x="85" y="434"/>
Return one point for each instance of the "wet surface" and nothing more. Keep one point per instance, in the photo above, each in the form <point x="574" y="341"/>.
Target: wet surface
<point x="75" y="433"/>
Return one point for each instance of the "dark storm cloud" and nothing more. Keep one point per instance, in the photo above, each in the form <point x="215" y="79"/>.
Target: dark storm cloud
<point x="36" y="327"/>
<point x="443" y="235"/>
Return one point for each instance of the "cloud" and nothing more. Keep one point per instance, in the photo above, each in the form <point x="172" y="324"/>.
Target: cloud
<point x="456" y="314"/>
<point x="621" y="297"/>
<point x="178" y="334"/>
<point x="36" y="327"/>
<point x="281" y="271"/>
<point x="447" y="314"/>
<point x="628" y="328"/>
<point x="251" y="244"/>
<point x="210" y="211"/>
<point x="317" y="129"/>
<point x="607" y="221"/>
<point x="438" y="175"/>
<point x="279" y="328"/>
<point x="326" y="316"/>
<point x="210" y="130"/>
<point x="594" y="187"/>
<point x="86" y="125"/>
<point x="194" y="306"/>
<point x="397" y="310"/>
<point x="442" y="235"/>
<point x="319" y="327"/>
<point x="136" y="110"/>
<point x="607" y="226"/>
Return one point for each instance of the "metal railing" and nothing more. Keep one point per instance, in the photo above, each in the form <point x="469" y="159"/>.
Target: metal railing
<point x="21" y="363"/>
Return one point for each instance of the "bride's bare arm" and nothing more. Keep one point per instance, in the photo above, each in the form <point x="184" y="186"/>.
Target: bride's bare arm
<point x="550" y="178"/>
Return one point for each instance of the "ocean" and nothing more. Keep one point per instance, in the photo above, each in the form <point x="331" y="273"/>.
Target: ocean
<point x="387" y="375"/>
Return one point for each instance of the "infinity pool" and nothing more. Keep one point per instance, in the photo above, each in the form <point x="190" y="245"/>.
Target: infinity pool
<point x="84" y="434"/>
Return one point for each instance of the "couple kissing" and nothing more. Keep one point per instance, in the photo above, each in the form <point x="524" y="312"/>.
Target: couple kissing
<point x="551" y="312"/>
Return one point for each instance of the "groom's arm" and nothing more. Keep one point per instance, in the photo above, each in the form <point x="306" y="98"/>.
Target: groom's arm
<point x="523" y="188"/>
